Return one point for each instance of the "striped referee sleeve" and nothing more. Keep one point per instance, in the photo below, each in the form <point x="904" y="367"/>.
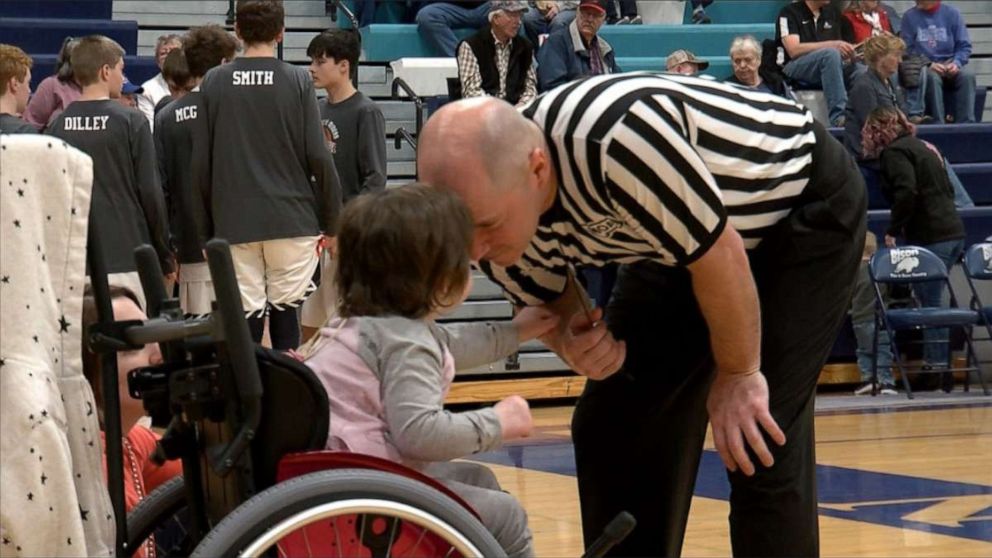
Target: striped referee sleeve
<point x="660" y="184"/>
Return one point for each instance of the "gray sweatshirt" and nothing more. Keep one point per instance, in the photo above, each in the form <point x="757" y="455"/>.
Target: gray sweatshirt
<point x="264" y="172"/>
<point x="387" y="378"/>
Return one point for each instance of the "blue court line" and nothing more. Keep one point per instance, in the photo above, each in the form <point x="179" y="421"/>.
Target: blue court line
<point x="878" y="498"/>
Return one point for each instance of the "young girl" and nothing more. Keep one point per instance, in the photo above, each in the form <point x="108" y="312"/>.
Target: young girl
<point x="404" y="259"/>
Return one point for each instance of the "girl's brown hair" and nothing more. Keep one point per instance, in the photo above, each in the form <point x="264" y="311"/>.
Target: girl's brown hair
<point x="92" y="362"/>
<point x="402" y="252"/>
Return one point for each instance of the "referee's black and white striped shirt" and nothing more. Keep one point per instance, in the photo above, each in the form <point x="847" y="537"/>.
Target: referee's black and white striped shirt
<point x="652" y="167"/>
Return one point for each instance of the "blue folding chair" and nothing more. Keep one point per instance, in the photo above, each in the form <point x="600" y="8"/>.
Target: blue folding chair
<point x="978" y="268"/>
<point x="908" y="265"/>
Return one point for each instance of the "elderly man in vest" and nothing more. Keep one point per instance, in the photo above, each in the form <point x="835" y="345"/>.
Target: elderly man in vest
<point x="496" y="61"/>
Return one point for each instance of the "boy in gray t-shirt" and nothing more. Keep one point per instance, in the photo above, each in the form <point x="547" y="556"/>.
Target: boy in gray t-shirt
<point x="355" y="131"/>
<point x="265" y="175"/>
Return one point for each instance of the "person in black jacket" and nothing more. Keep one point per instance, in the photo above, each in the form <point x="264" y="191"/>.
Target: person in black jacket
<point x="915" y="182"/>
<point x="496" y="61"/>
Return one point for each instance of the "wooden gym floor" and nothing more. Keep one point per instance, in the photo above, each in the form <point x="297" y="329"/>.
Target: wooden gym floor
<point x="894" y="480"/>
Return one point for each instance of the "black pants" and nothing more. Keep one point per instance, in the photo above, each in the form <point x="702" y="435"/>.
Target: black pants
<point x="639" y="434"/>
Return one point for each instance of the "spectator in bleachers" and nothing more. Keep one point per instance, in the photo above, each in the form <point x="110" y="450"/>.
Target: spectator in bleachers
<point x="355" y="130"/>
<point x="699" y="11"/>
<point x="265" y="179"/>
<point x="750" y="70"/>
<point x="436" y="22"/>
<point x="863" y="322"/>
<point x="156" y="88"/>
<point x="127" y="199"/>
<point x="878" y="87"/>
<point x="129" y="94"/>
<point x="576" y="51"/>
<point x="685" y="62"/>
<point x="55" y="92"/>
<point x="938" y="31"/>
<point x="547" y="17"/>
<point x="818" y="52"/>
<point x="496" y="62"/>
<point x="176" y="128"/>
<point x="177" y="77"/>
<point x="15" y="88"/>
<point x="867" y="19"/>
<point x="627" y="15"/>
<point x="923" y="210"/>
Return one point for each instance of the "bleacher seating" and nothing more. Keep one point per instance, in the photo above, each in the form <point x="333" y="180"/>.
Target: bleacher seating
<point x="638" y="47"/>
<point x="64" y="9"/>
<point x="39" y="27"/>
<point x="966" y="148"/>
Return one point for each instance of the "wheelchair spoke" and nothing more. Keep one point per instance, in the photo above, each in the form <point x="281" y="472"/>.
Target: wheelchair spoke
<point x="392" y="538"/>
<point x="306" y="539"/>
<point x="423" y="533"/>
<point x="337" y="536"/>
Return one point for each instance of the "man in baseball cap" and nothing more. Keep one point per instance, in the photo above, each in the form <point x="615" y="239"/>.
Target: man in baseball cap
<point x="128" y="93"/>
<point x="685" y="62"/>
<point x="496" y="61"/>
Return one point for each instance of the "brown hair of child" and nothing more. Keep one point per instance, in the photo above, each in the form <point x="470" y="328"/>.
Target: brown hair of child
<point x="259" y="21"/>
<point x="403" y="252"/>
<point x="208" y="46"/>
<point x="91" y="54"/>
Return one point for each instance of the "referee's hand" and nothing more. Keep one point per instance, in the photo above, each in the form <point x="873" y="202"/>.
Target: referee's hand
<point x="589" y="348"/>
<point x="738" y="409"/>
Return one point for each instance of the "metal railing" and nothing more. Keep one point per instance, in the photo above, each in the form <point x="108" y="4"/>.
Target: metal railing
<point x="399" y="84"/>
<point x="402" y="135"/>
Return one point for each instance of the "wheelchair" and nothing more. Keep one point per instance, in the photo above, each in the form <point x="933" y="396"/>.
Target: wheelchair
<point x="249" y="425"/>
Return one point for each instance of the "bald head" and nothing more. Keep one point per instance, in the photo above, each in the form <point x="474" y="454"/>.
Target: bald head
<point x="475" y="142"/>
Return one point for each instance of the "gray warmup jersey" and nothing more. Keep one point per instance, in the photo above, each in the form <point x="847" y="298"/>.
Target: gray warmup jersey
<point x="176" y="126"/>
<point x="127" y="200"/>
<point x="264" y="144"/>
<point x="356" y="134"/>
<point x="10" y="124"/>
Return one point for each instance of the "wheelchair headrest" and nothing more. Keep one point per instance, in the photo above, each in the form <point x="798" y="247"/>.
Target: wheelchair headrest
<point x="978" y="261"/>
<point x="906" y="264"/>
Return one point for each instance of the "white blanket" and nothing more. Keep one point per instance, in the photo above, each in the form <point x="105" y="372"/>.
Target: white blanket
<point x="53" y="498"/>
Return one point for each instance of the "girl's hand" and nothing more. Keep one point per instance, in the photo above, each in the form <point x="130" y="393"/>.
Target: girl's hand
<point x="533" y="322"/>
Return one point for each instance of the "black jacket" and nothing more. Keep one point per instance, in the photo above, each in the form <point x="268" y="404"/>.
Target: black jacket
<point x="915" y="183"/>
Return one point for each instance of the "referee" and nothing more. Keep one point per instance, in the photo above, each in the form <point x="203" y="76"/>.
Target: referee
<point x="741" y="224"/>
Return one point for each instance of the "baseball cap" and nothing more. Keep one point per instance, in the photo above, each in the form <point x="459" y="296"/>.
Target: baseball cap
<point x="594" y="4"/>
<point x="682" y="55"/>
<point x="508" y="5"/>
<point x="129" y="88"/>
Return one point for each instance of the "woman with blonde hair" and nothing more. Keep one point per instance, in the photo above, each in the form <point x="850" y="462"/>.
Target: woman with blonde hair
<point x="878" y="87"/>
